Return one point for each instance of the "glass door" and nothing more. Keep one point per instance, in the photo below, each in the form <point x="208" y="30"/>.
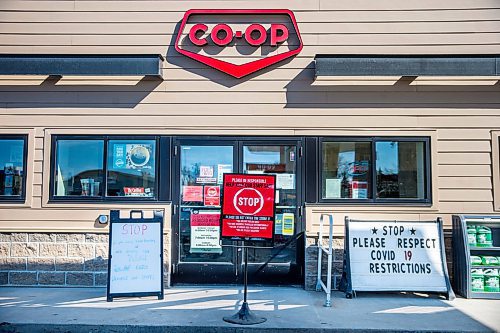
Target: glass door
<point x="200" y="254"/>
<point x="197" y="253"/>
<point x="278" y="263"/>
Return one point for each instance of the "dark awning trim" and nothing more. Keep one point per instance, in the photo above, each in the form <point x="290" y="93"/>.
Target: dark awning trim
<point x="411" y="65"/>
<point x="95" y="65"/>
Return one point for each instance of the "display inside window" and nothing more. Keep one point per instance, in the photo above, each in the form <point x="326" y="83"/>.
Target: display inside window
<point x="346" y="170"/>
<point x="375" y="169"/>
<point x="79" y="168"/>
<point x="11" y="167"/>
<point x="400" y="170"/>
<point x="131" y="168"/>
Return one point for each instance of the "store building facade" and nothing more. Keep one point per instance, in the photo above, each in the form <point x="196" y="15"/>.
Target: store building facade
<point x="384" y="111"/>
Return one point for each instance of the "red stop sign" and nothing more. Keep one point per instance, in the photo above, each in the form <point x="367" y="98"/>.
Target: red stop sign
<point x="248" y="201"/>
<point x="248" y="206"/>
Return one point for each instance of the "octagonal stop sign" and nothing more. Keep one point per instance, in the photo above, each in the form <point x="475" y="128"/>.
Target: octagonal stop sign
<point x="248" y="201"/>
<point x="248" y="206"/>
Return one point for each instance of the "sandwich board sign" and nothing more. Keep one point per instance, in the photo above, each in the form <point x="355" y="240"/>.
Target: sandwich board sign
<point x="135" y="264"/>
<point x="248" y="207"/>
<point x="395" y="256"/>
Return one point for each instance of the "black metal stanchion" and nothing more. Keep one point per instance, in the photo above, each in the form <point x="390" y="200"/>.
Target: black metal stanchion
<point x="245" y="316"/>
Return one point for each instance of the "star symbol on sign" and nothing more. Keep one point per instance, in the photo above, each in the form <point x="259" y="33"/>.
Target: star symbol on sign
<point x="374" y="231"/>
<point x="413" y="230"/>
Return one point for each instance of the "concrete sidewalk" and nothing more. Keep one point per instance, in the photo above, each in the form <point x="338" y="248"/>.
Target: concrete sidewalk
<point x="200" y="309"/>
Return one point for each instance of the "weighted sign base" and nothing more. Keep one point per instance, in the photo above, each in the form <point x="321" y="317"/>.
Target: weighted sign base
<point x="244" y="317"/>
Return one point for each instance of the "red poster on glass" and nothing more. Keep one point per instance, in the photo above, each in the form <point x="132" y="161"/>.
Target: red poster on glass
<point x="248" y="206"/>
<point x="211" y="195"/>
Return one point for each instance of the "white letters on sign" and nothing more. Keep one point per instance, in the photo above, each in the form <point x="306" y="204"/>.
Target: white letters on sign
<point x="135" y="264"/>
<point x="393" y="256"/>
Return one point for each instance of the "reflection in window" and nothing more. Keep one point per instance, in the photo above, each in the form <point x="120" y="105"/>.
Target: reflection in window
<point x="131" y="168"/>
<point x="346" y="170"/>
<point x="400" y="169"/>
<point x="79" y="168"/>
<point x="11" y="167"/>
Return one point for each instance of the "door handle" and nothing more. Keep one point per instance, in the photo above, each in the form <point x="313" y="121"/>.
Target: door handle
<point x="174" y="209"/>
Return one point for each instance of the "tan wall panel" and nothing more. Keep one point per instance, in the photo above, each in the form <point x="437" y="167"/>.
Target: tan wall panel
<point x="38" y="166"/>
<point x="464" y="133"/>
<point x="464" y="158"/>
<point x="332" y="27"/>
<point x="38" y="155"/>
<point x="38" y="143"/>
<point x="461" y="195"/>
<point x="266" y="83"/>
<point x="247" y="109"/>
<point x="466" y="208"/>
<point x="300" y="97"/>
<point x="353" y="16"/>
<point x="160" y="40"/>
<point x="307" y="51"/>
<point x="408" y="5"/>
<point x="215" y="121"/>
<point x="464" y="146"/>
<point x="464" y="170"/>
<point x="295" y="5"/>
<point x="464" y="182"/>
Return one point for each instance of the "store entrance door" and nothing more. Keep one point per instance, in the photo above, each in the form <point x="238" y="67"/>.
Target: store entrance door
<point x="196" y="253"/>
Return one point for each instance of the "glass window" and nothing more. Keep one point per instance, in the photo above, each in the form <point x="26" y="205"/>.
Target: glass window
<point x="12" y="160"/>
<point x="79" y="168"/>
<point x="131" y="168"/>
<point x="346" y="167"/>
<point x="399" y="171"/>
<point x="106" y="168"/>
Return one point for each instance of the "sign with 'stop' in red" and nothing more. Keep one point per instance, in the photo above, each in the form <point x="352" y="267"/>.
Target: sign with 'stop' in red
<point x="248" y="206"/>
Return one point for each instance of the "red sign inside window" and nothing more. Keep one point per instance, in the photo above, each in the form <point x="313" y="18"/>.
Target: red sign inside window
<point x="248" y="207"/>
<point x="239" y="32"/>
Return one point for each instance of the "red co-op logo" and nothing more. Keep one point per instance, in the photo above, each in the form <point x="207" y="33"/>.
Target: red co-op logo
<point x="194" y="36"/>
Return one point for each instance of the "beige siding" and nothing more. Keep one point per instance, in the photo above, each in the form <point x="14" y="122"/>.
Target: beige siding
<point x="282" y="100"/>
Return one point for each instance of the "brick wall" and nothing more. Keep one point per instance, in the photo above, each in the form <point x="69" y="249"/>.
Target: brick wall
<point x="58" y="259"/>
<point x="311" y="258"/>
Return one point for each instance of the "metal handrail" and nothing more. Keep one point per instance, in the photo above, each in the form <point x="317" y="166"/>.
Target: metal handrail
<point x="329" y="251"/>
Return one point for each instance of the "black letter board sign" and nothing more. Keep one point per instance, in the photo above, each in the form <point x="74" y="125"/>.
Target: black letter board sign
<point x="395" y="256"/>
<point x="135" y="266"/>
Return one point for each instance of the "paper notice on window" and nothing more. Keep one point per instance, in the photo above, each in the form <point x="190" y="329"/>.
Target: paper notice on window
<point x="332" y="188"/>
<point x="278" y="224"/>
<point x="205" y="232"/>
<point x="221" y="170"/>
<point x="192" y="193"/>
<point x="359" y="190"/>
<point x="288" y="224"/>
<point x="285" y="181"/>
<point x="206" y="171"/>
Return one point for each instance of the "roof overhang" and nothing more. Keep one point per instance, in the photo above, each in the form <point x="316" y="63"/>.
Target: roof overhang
<point x="421" y="69"/>
<point x="137" y="65"/>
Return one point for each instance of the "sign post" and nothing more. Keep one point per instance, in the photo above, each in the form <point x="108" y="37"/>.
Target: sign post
<point x="248" y="214"/>
<point x="395" y="256"/>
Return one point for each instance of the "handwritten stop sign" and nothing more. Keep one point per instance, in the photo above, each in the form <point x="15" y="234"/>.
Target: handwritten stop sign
<point x="248" y="206"/>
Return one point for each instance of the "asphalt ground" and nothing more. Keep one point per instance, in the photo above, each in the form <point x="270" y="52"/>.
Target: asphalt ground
<point x="201" y="309"/>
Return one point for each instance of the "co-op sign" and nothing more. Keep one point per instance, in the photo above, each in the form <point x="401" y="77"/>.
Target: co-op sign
<point x="238" y="42"/>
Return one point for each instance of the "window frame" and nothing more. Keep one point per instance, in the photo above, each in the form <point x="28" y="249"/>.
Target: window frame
<point x="162" y="163"/>
<point x="372" y="187"/>
<point x="20" y="199"/>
